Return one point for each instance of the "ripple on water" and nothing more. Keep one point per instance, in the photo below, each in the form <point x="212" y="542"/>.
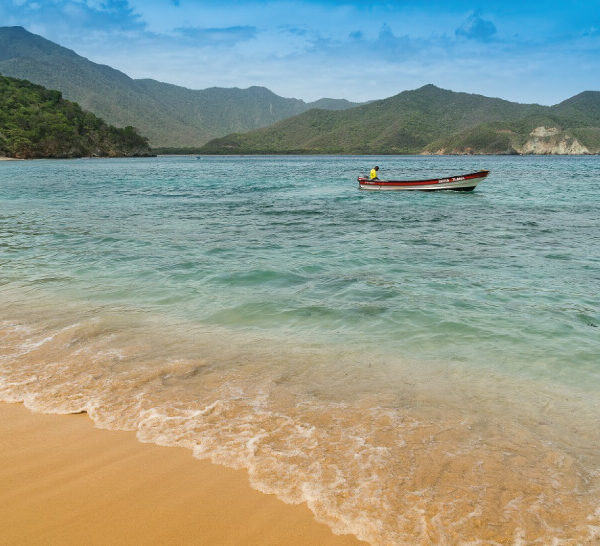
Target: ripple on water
<point x="418" y="368"/>
<point x="391" y="450"/>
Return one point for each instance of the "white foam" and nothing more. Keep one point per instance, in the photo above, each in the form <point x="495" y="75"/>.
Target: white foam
<point x="341" y="457"/>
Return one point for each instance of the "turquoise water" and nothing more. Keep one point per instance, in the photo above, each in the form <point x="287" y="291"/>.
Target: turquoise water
<point x="283" y="255"/>
<point x="289" y="245"/>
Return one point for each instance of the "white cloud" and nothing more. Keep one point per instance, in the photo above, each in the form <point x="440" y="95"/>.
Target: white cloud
<point x="308" y="50"/>
<point x="476" y="28"/>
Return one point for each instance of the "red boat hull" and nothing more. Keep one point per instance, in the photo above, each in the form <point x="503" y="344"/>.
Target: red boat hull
<point x="464" y="182"/>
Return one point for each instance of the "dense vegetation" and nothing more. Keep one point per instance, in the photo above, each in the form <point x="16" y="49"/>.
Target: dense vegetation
<point x="427" y="120"/>
<point x="576" y="120"/>
<point x="180" y="120"/>
<point x="37" y="122"/>
<point x="168" y="114"/>
<point x="402" y="124"/>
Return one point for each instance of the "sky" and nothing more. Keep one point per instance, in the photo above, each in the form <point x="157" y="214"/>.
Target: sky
<point x="524" y="51"/>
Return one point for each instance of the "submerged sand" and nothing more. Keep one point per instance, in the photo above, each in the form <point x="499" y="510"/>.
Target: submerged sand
<point x="433" y="457"/>
<point x="64" y="482"/>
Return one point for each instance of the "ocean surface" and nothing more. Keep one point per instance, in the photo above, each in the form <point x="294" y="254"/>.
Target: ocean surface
<point x="418" y="367"/>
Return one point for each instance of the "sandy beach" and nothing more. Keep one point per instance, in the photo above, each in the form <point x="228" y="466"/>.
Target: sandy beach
<point x="362" y="359"/>
<point x="62" y="481"/>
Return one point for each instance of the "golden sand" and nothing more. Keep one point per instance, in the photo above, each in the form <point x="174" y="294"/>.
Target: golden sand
<point x="432" y="457"/>
<point x="64" y="482"/>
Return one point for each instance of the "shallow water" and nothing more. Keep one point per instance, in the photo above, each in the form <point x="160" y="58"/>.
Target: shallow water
<point x="418" y="367"/>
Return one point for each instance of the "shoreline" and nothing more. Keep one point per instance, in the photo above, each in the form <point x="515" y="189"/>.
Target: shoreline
<point x="64" y="482"/>
<point x="287" y="329"/>
<point x="78" y="157"/>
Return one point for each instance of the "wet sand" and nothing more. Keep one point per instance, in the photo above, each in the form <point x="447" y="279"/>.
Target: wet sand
<point x="62" y="481"/>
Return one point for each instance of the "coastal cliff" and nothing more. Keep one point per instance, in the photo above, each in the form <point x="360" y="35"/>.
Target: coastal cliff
<point x="542" y="140"/>
<point x="552" y="141"/>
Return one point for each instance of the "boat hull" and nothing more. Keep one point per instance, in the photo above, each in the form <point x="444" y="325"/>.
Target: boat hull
<point x="464" y="182"/>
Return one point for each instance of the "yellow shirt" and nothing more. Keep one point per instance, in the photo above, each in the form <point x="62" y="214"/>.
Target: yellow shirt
<point x="373" y="174"/>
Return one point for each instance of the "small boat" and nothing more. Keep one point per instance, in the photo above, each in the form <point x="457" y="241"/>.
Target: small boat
<point x="464" y="182"/>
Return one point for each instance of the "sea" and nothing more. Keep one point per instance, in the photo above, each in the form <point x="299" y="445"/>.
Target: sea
<point x="417" y="367"/>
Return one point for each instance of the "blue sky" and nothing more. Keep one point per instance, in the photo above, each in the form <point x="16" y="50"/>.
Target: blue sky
<point x="526" y="51"/>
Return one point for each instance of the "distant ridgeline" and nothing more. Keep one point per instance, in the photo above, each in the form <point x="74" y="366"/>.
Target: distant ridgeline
<point x="36" y="122"/>
<point x="430" y="120"/>
<point x="169" y="115"/>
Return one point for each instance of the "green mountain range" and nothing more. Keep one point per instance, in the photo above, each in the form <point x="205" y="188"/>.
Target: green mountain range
<point x="430" y="120"/>
<point x="37" y="122"/>
<point x="168" y="115"/>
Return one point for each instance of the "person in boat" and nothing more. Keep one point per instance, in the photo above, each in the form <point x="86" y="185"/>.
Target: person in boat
<point x="373" y="175"/>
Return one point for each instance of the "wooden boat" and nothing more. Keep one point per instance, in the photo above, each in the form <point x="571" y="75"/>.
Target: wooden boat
<point x="464" y="182"/>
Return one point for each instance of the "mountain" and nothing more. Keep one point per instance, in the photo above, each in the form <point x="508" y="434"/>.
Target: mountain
<point x="404" y="123"/>
<point x="169" y="115"/>
<point x="581" y="109"/>
<point x="571" y="127"/>
<point x="37" y="122"/>
<point x="429" y="120"/>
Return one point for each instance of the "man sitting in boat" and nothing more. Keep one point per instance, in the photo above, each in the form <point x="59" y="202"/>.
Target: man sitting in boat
<point x="373" y="175"/>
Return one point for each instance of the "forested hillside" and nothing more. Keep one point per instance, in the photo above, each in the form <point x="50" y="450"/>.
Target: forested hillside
<point x="169" y="115"/>
<point x="36" y="122"/>
<point x="430" y="120"/>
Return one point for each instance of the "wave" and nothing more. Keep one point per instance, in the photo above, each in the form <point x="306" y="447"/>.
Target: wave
<point x="391" y="450"/>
